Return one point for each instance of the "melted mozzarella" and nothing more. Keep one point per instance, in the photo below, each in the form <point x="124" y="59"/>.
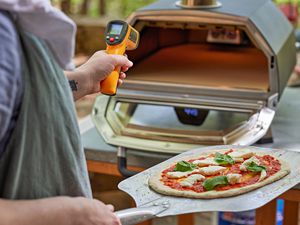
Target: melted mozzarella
<point x="243" y="153"/>
<point x="233" y="178"/>
<point x="246" y="163"/>
<point x="179" y="174"/>
<point x="205" y="162"/>
<point x="238" y="159"/>
<point x="263" y="174"/>
<point x="211" y="170"/>
<point x="190" y="180"/>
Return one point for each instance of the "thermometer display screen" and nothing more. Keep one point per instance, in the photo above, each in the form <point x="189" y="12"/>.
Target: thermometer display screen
<point x="116" y="29"/>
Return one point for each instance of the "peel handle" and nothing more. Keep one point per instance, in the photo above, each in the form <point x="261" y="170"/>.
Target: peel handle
<point x="135" y="215"/>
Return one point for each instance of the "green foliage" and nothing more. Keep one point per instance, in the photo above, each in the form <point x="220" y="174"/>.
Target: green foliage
<point x="123" y="8"/>
<point x="286" y="1"/>
<point x="130" y="6"/>
<point x="114" y="8"/>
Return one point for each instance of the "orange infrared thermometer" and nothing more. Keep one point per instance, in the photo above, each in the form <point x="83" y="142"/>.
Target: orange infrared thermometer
<point x="120" y="36"/>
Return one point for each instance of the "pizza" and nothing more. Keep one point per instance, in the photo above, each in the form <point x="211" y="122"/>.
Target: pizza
<point x="218" y="174"/>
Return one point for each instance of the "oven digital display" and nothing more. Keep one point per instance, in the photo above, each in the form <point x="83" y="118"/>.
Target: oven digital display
<point x="191" y="112"/>
<point x="116" y="29"/>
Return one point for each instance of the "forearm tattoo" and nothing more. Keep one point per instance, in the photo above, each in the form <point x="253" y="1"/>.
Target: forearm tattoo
<point x="73" y="85"/>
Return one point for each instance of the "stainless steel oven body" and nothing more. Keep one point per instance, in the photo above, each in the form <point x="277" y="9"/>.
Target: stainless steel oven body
<point x="204" y="76"/>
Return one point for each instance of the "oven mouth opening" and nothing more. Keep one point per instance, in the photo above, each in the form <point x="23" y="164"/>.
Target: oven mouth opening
<point x="199" y="58"/>
<point x="204" y="65"/>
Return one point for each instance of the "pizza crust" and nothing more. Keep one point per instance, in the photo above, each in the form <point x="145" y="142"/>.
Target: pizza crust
<point x="158" y="186"/>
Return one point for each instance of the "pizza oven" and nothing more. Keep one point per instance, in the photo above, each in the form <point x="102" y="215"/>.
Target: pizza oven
<point x="205" y="73"/>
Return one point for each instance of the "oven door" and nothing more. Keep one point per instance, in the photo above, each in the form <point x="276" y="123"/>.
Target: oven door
<point x="166" y="126"/>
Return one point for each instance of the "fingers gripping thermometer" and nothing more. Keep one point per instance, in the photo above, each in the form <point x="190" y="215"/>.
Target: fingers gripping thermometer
<point x="120" y="37"/>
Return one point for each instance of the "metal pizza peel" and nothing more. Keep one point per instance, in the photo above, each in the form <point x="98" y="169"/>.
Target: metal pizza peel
<point x="151" y="204"/>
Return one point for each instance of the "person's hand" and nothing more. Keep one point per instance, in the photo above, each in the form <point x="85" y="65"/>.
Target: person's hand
<point x="99" y="66"/>
<point x="93" y="212"/>
<point x="58" y="211"/>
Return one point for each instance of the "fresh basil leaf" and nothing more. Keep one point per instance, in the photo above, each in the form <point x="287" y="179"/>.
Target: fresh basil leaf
<point x="223" y="159"/>
<point x="211" y="183"/>
<point x="253" y="167"/>
<point x="184" y="166"/>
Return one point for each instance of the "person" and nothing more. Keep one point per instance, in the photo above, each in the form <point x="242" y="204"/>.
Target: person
<point x="41" y="155"/>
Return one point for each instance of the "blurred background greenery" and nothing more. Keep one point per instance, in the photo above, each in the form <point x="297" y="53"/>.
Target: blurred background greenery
<point x="111" y="9"/>
<point x="286" y="1"/>
<point x="115" y="8"/>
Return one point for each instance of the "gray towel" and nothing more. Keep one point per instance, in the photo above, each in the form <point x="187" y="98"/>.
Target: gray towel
<point x="44" y="156"/>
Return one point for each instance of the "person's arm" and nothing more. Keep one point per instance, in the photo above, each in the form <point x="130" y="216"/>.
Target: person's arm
<point x="57" y="211"/>
<point x="86" y="78"/>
